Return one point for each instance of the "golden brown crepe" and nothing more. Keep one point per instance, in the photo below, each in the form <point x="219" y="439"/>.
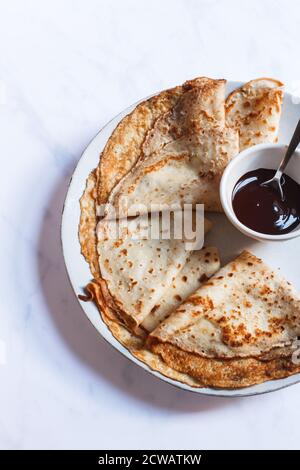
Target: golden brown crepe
<point x="141" y="277"/>
<point x="183" y="155"/>
<point x="141" y="274"/>
<point x="124" y="147"/>
<point x="186" y="171"/>
<point x="246" y="311"/>
<point x="133" y="342"/>
<point x="143" y="130"/>
<point x="87" y="224"/>
<point x="200" y="106"/>
<point x="225" y="373"/>
<point x="254" y="110"/>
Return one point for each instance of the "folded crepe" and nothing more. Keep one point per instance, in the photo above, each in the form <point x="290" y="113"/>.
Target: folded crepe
<point x="254" y="110"/>
<point x="140" y="274"/>
<point x="88" y="223"/>
<point x="184" y="155"/>
<point x="125" y="145"/>
<point x="200" y="265"/>
<point x="154" y="122"/>
<point x="187" y="171"/>
<point x="219" y="373"/>
<point x="200" y="106"/>
<point x="142" y="279"/>
<point x="238" y="327"/>
<point x="133" y="342"/>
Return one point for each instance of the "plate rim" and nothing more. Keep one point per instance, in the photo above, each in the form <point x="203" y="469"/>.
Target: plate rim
<point x="109" y="338"/>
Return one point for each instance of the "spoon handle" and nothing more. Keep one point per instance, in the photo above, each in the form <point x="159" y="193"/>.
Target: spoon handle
<point x="290" y="150"/>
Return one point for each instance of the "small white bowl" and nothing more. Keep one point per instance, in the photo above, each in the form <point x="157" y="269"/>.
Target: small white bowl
<point x="259" y="156"/>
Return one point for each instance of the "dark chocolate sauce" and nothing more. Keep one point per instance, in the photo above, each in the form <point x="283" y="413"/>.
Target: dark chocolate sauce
<point x="261" y="209"/>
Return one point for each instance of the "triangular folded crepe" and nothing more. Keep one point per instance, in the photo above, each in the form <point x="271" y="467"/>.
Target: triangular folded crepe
<point x="245" y="309"/>
<point x="185" y="171"/>
<point x="134" y="343"/>
<point x="198" y="266"/>
<point x="124" y="147"/>
<point x="184" y="155"/>
<point x="254" y="110"/>
<point x="88" y="223"/>
<point x="220" y="373"/>
<point x="138" y="272"/>
<point x="199" y="107"/>
<point x="155" y="122"/>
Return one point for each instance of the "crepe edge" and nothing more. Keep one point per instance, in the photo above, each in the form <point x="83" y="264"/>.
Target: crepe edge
<point x="133" y="343"/>
<point x="145" y="112"/>
<point x="88" y="223"/>
<point x="225" y="374"/>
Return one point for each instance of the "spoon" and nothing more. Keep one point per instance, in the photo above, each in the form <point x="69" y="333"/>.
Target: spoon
<point x="275" y="182"/>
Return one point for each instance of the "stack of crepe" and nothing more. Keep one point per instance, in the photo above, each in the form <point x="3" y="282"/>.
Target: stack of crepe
<point x="174" y="308"/>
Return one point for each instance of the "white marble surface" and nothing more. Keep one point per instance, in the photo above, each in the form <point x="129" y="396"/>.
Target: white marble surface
<point x="66" y="67"/>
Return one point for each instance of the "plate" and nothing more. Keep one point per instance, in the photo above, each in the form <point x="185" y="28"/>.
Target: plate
<point x="231" y="242"/>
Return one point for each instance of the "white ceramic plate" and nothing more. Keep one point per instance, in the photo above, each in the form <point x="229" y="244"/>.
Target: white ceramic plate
<point x="230" y="241"/>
